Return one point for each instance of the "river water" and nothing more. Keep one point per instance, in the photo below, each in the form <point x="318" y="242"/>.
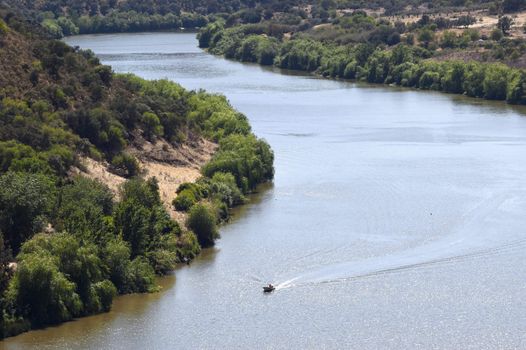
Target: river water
<point x="396" y="221"/>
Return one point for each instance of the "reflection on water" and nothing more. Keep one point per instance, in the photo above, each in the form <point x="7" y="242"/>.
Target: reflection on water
<point x="396" y="220"/>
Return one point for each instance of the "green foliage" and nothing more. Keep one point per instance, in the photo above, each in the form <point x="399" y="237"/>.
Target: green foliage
<point x="127" y="275"/>
<point x="223" y="187"/>
<point x="80" y="263"/>
<point x="141" y="275"/>
<point x="125" y="164"/>
<point x="140" y="216"/>
<point x="206" y="34"/>
<point x="366" y="60"/>
<point x="152" y="125"/>
<point x="497" y="34"/>
<point x="102" y="293"/>
<point x="505" y="24"/>
<point x="516" y="92"/>
<point x="301" y="55"/>
<point x="67" y="26"/>
<point x="26" y="200"/>
<point x="42" y="292"/>
<point x="248" y="159"/>
<point x="202" y="222"/>
<point x="53" y="28"/>
<point x="84" y="209"/>
<point x="184" y="200"/>
<point x="3" y="27"/>
<point x="214" y="115"/>
<point x="495" y="82"/>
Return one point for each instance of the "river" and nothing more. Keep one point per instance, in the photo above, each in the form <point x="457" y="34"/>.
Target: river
<point x="397" y="220"/>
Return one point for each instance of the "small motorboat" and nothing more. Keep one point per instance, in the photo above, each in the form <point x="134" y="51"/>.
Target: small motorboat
<point x="268" y="289"/>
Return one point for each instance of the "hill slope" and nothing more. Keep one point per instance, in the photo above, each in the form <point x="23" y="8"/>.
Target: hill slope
<point x="68" y="127"/>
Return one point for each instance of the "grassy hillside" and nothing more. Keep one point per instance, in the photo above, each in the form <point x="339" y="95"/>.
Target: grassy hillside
<point x="67" y="244"/>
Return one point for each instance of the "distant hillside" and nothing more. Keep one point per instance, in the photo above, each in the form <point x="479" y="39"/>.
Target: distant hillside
<point x="67" y="17"/>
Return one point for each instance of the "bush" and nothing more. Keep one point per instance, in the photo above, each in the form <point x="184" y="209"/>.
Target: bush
<point x="184" y="200"/>
<point x="42" y="293"/>
<point x="163" y="260"/>
<point x="26" y="200"/>
<point x="117" y="259"/>
<point x="495" y="82"/>
<point x="3" y="27"/>
<point x="152" y="125"/>
<point x="202" y="222"/>
<point x="52" y="27"/>
<point x="248" y="159"/>
<point x="224" y="188"/>
<point x="105" y="292"/>
<point x="83" y="210"/>
<point x="141" y="276"/>
<point x="126" y="165"/>
<point x="497" y="34"/>
<point x="188" y="245"/>
<point x="516" y="92"/>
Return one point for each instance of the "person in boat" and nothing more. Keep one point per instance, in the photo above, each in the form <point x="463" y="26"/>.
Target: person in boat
<point x="270" y="286"/>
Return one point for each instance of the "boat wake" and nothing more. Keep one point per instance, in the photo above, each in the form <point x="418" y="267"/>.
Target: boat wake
<point x="384" y="265"/>
<point x="470" y="240"/>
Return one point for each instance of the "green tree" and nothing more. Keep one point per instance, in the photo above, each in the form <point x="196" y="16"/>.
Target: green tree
<point x="425" y="37"/>
<point x="504" y="24"/>
<point x="140" y="216"/>
<point x="496" y="34"/>
<point x="78" y="261"/>
<point x="152" y="125"/>
<point x="496" y="82"/>
<point x="449" y="40"/>
<point x="517" y="88"/>
<point x="453" y="79"/>
<point x="41" y="292"/>
<point x="26" y="201"/>
<point x="202" y="222"/>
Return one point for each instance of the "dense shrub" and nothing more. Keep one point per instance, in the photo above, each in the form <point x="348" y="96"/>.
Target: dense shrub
<point x="3" y="27"/>
<point x="202" y="222"/>
<point x="26" y="201"/>
<point x="184" y="200"/>
<point x="84" y="209"/>
<point x="248" y="159"/>
<point x="125" y="164"/>
<point x="41" y="292"/>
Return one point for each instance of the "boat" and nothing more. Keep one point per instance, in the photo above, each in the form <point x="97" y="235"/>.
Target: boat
<point x="268" y="289"/>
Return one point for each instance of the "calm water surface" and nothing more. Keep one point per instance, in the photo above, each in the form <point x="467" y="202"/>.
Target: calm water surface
<point x="396" y="220"/>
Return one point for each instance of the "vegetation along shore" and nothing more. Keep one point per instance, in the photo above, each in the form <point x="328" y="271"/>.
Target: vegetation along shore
<point x="479" y="53"/>
<point x="86" y="159"/>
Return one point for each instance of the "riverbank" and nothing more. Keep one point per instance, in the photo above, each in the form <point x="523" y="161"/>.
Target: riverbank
<point x="218" y="177"/>
<point x="88" y="165"/>
<point x="402" y="64"/>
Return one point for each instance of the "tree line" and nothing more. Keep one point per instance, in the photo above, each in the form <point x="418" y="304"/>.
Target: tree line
<point x="400" y="63"/>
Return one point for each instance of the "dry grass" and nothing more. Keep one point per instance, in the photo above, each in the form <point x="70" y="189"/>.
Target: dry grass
<point x="485" y="22"/>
